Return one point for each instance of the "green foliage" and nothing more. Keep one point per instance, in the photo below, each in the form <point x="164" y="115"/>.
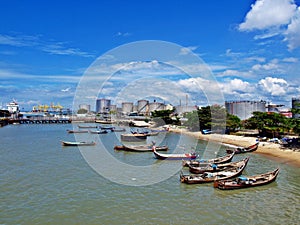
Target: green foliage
<point x="162" y="117"/>
<point x="82" y="111"/>
<point x="233" y="122"/>
<point x="268" y="124"/>
<point x="207" y="117"/>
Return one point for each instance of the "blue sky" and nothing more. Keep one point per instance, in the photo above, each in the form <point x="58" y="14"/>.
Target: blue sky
<point x="252" y="47"/>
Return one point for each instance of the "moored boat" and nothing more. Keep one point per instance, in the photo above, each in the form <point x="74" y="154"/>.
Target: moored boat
<point x="98" y="131"/>
<point x="77" y="131"/>
<point x="173" y="156"/>
<point x="214" y="176"/>
<point x="140" y="148"/>
<point x="202" y="162"/>
<point x="247" y="181"/>
<point x="79" y="143"/>
<point x="83" y="126"/>
<point x="133" y="137"/>
<point x="240" y="150"/>
<point x="213" y="167"/>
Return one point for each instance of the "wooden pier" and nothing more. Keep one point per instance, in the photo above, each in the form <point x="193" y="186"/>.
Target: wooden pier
<point x="40" y="121"/>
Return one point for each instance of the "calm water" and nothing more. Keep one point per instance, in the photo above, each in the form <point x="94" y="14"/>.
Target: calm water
<point x="42" y="182"/>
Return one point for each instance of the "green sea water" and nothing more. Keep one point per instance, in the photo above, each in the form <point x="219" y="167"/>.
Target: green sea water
<point x="42" y="182"/>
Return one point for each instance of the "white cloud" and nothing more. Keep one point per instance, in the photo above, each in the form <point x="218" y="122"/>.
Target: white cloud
<point x="268" y="13"/>
<point x="274" y="17"/>
<point x="293" y="31"/>
<point x="290" y="60"/>
<point x="236" y="86"/>
<point x="187" y="50"/>
<point x="56" y="48"/>
<point x="274" y="86"/>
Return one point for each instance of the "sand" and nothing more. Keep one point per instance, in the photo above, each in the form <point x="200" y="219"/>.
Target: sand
<point x="271" y="150"/>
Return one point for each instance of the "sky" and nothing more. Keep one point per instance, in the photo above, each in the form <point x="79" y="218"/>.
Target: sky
<point x="48" y="48"/>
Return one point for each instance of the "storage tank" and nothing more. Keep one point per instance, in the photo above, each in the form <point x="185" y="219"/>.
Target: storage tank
<point x="127" y="107"/>
<point x="142" y="106"/>
<point x="296" y="105"/>
<point x="156" y="106"/>
<point x="102" y="105"/>
<point x="244" y="109"/>
<point x="86" y="107"/>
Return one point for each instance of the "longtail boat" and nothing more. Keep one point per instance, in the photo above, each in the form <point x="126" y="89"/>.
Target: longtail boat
<point x="133" y="137"/>
<point x="173" y="156"/>
<point x="77" y="131"/>
<point x="213" y="176"/>
<point x="79" y="143"/>
<point x="203" y="162"/>
<point x="213" y="167"/>
<point x="140" y="148"/>
<point x="247" y="181"/>
<point x="240" y="150"/>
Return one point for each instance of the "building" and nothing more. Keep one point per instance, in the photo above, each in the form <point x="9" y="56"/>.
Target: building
<point x="296" y="105"/>
<point x="103" y="105"/>
<point x="244" y="109"/>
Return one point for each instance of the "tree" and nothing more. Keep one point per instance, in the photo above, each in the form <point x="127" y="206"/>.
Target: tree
<point x="233" y="122"/>
<point x="162" y="117"/>
<point x="82" y="111"/>
<point x="268" y="124"/>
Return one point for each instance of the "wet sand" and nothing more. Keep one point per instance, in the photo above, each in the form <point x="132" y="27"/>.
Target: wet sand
<point x="268" y="149"/>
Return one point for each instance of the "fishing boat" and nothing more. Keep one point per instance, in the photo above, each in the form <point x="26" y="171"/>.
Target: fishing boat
<point x="247" y="181"/>
<point x="173" y="156"/>
<point x="77" y="131"/>
<point x="106" y="128"/>
<point x="133" y="137"/>
<point x="83" y="126"/>
<point x="214" y="176"/>
<point x="240" y="150"/>
<point x="98" y="131"/>
<point x="140" y="148"/>
<point x="79" y="143"/>
<point x="202" y="162"/>
<point x="118" y="130"/>
<point x="213" y="167"/>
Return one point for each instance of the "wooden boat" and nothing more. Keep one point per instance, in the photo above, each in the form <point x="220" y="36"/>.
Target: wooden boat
<point x="239" y="150"/>
<point x="98" y="131"/>
<point x="106" y="128"/>
<point x="80" y="143"/>
<point x="214" y="176"/>
<point x="247" y="181"/>
<point x="140" y="148"/>
<point x="82" y="126"/>
<point x="213" y="167"/>
<point x="173" y="156"/>
<point x="202" y="162"/>
<point x="133" y="137"/>
<point x="118" y="130"/>
<point x="77" y="131"/>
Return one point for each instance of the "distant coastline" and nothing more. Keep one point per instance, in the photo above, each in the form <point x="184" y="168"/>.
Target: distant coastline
<point x="268" y="149"/>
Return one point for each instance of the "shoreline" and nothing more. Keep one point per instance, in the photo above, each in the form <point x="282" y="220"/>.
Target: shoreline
<point x="268" y="149"/>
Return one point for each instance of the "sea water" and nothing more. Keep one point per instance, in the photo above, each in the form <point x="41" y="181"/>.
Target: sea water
<point x="42" y="182"/>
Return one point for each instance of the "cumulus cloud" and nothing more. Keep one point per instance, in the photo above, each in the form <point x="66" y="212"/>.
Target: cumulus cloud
<point x="293" y="31"/>
<point x="274" y="17"/>
<point x="268" y="13"/>
<point x="273" y="86"/>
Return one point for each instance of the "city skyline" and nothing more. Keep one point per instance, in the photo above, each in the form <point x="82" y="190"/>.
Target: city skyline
<point x="253" y="53"/>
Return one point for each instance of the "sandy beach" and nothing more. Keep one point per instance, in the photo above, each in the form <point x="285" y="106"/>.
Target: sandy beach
<point x="268" y="149"/>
